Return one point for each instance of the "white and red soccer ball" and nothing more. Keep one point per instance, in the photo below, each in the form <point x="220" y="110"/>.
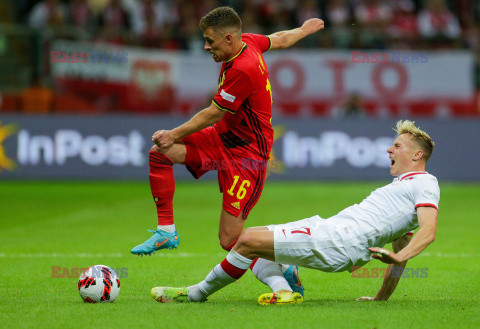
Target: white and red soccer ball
<point x="99" y="284"/>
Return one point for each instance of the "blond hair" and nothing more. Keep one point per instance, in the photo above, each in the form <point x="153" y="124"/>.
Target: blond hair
<point x="421" y="138"/>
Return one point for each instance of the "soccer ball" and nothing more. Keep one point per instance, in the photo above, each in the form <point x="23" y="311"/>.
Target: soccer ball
<point x="99" y="284"/>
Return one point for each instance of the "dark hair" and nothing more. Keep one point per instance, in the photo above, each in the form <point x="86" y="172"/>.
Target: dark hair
<point x="221" y="19"/>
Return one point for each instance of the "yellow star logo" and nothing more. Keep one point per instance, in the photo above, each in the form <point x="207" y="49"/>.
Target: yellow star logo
<point x="5" y="162"/>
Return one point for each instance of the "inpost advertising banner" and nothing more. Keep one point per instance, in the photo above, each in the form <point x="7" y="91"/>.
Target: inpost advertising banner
<point x="116" y="147"/>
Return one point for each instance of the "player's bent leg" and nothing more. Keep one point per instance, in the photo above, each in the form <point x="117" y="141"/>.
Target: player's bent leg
<point x="177" y="152"/>
<point x="228" y="271"/>
<point x="162" y="184"/>
<point x="230" y="228"/>
<point x="280" y="298"/>
<point x="256" y="242"/>
<point x="266" y="270"/>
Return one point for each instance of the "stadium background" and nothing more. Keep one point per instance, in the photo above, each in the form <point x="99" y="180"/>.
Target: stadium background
<point x="85" y="83"/>
<point x="74" y="138"/>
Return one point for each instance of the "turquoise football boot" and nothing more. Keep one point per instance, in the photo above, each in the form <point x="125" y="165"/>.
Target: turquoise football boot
<point x="159" y="240"/>
<point x="291" y="275"/>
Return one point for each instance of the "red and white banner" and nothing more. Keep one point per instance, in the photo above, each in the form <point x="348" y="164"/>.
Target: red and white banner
<point x="302" y="81"/>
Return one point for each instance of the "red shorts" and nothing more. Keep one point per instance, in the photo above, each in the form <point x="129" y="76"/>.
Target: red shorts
<point x="241" y="180"/>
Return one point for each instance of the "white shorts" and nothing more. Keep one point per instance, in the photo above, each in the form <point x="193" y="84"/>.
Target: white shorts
<point x="312" y="242"/>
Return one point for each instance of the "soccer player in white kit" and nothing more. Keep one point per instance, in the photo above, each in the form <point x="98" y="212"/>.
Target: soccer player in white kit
<point x="349" y="239"/>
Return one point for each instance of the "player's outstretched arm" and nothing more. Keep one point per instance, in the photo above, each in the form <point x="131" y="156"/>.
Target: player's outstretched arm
<point x="427" y="221"/>
<point x="393" y="273"/>
<point x="201" y="120"/>
<point x="285" y="39"/>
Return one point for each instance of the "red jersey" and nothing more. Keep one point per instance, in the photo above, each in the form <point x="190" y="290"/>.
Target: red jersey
<point x="244" y="92"/>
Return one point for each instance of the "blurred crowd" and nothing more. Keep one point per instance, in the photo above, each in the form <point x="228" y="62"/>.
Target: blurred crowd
<point x="173" y="24"/>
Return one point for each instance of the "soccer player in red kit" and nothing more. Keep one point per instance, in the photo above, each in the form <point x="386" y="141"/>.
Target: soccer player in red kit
<point x="239" y="142"/>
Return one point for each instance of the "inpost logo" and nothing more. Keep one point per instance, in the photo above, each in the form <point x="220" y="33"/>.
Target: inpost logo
<point x="70" y="144"/>
<point x="6" y="162"/>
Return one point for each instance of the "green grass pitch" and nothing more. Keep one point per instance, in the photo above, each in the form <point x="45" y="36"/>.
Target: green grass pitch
<point x="78" y="224"/>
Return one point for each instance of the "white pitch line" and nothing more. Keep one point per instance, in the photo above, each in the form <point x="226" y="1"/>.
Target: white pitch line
<point x="106" y="255"/>
<point x="185" y="255"/>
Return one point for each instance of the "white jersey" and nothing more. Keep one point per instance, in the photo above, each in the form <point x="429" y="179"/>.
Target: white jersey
<point x="340" y="242"/>
<point x="386" y="214"/>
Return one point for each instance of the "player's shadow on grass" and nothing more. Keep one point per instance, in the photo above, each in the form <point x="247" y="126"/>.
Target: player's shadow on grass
<point x="405" y="302"/>
<point x="331" y="303"/>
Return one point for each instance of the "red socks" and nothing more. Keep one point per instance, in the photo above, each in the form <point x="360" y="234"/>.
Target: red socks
<point x="162" y="184"/>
